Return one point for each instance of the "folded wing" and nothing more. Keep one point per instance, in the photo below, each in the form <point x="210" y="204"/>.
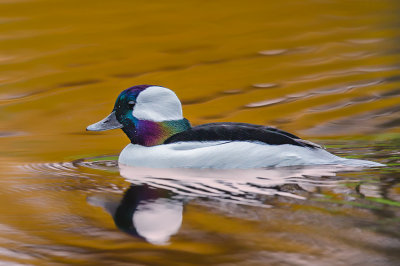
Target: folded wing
<point x="239" y="132"/>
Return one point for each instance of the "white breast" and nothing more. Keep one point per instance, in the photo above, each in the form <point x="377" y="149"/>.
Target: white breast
<point x="226" y="155"/>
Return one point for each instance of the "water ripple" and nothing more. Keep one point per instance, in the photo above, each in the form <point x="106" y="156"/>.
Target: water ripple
<point x="239" y="185"/>
<point x="306" y="94"/>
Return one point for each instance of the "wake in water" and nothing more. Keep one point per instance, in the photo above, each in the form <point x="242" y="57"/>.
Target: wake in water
<point x="161" y="194"/>
<point x="242" y="186"/>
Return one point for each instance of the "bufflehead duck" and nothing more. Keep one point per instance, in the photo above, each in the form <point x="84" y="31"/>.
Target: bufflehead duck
<point x="151" y="117"/>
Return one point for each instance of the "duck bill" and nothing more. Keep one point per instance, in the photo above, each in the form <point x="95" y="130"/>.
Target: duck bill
<point x="110" y="122"/>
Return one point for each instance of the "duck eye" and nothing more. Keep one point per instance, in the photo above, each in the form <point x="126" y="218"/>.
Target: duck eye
<point x="131" y="104"/>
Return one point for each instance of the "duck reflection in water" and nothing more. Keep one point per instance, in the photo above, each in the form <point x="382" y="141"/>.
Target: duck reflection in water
<point x="149" y="213"/>
<point x="152" y="207"/>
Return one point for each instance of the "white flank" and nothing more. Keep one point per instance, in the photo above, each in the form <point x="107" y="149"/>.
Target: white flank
<point x="157" y="104"/>
<point x="229" y="155"/>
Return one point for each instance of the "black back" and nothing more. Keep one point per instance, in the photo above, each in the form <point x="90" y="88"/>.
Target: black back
<point x="239" y="132"/>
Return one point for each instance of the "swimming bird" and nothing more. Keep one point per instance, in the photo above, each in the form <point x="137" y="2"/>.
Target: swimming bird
<point x="151" y="116"/>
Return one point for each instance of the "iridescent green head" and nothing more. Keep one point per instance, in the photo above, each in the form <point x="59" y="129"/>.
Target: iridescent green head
<point x="147" y="114"/>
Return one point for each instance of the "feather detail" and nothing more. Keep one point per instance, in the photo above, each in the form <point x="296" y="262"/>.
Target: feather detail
<point x="239" y="132"/>
<point x="151" y="133"/>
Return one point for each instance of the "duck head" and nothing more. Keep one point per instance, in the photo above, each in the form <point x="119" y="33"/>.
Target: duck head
<point x="147" y="114"/>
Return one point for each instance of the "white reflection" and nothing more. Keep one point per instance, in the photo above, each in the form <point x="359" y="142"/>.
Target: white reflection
<point x="236" y="184"/>
<point x="152" y="208"/>
<point x="145" y="212"/>
<point x="156" y="221"/>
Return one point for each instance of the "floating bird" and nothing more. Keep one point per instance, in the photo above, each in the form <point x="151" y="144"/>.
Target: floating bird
<point x="151" y="116"/>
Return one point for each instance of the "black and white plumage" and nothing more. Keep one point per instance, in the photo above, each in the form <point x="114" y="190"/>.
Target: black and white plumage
<point x="151" y="116"/>
<point x="229" y="131"/>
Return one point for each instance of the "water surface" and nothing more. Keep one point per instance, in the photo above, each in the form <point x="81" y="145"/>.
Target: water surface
<point x="327" y="71"/>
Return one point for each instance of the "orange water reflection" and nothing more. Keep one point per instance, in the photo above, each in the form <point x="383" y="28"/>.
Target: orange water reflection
<point x="327" y="71"/>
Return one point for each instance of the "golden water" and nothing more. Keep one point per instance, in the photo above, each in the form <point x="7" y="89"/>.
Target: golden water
<point x="328" y="71"/>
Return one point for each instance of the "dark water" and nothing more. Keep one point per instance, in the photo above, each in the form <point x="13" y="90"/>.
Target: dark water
<point x="327" y="71"/>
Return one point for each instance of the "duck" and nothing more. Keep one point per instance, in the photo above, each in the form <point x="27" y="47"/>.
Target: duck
<point x="151" y="116"/>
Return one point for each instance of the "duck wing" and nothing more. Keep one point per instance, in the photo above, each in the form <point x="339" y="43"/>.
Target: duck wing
<point x="239" y="132"/>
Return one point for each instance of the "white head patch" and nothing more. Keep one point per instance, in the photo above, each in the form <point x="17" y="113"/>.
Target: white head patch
<point x="157" y="104"/>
